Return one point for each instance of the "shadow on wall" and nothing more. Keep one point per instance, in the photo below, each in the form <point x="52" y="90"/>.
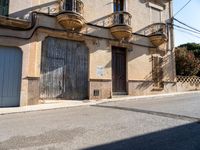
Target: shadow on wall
<point x="165" y="66"/>
<point x="107" y="20"/>
<point x="143" y="1"/>
<point x="43" y="7"/>
<point x="148" y="30"/>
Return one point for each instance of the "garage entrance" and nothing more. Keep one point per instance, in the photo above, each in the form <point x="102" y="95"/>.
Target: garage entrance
<point x="64" y="70"/>
<point x="10" y="76"/>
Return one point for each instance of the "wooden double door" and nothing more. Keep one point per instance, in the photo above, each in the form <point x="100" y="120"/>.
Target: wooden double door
<point x="64" y="69"/>
<point x="119" y="70"/>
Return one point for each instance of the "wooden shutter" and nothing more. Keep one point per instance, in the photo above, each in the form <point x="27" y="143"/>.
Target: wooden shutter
<point x="154" y="68"/>
<point x="160" y="69"/>
<point x="157" y="71"/>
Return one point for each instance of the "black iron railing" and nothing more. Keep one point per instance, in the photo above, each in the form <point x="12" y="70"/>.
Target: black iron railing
<point x="72" y="5"/>
<point x="156" y="28"/>
<point x="121" y="18"/>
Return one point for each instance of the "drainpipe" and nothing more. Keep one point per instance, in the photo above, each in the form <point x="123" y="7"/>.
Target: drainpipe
<point x="171" y="22"/>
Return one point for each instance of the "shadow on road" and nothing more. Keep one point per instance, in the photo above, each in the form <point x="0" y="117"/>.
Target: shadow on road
<point x="150" y="112"/>
<point x="185" y="137"/>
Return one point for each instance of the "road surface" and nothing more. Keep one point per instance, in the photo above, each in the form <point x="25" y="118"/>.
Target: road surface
<point x="171" y="123"/>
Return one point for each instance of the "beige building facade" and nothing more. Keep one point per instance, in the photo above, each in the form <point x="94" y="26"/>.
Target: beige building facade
<point x="84" y="49"/>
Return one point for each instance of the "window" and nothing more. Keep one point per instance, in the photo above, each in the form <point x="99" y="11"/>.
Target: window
<point x="118" y="5"/>
<point x="68" y="5"/>
<point x="4" y="6"/>
<point x="73" y="5"/>
<point x="156" y="15"/>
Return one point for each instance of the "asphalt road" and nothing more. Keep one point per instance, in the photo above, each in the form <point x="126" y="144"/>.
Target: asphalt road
<point x="171" y="123"/>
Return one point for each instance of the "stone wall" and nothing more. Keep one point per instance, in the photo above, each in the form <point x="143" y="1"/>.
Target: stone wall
<point x="33" y="91"/>
<point x="100" y="89"/>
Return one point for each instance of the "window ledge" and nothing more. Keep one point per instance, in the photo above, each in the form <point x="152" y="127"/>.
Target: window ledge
<point x="156" y="6"/>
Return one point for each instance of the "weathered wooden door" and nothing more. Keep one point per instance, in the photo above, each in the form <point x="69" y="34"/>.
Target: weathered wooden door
<point x="119" y="69"/>
<point x="10" y="76"/>
<point x="64" y="69"/>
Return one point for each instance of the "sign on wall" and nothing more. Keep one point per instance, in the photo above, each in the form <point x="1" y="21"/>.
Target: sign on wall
<point x="100" y="71"/>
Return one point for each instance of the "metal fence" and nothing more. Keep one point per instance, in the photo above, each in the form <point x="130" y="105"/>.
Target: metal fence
<point x="188" y="79"/>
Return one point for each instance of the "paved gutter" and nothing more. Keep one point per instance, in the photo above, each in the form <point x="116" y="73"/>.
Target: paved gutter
<point x="70" y="103"/>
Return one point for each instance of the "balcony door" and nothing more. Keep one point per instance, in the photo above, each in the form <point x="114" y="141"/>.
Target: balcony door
<point x="4" y="7"/>
<point x="69" y="5"/>
<point x="118" y="5"/>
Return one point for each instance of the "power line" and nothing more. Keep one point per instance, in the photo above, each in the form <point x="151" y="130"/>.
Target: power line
<point x="182" y="8"/>
<point x="186" y="25"/>
<point x="186" y="29"/>
<point x="184" y="35"/>
<point x="188" y="33"/>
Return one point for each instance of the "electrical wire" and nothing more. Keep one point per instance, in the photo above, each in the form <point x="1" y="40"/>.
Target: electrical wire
<point x="186" y="25"/>
<point x="186" y="29"/>
<point x="187" y="33"/>
<point x="182" y="8"/>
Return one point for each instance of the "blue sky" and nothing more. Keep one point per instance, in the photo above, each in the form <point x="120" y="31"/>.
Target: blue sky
<point x="189" y="15"/>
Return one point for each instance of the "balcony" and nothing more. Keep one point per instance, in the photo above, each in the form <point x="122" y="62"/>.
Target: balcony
<point x="121" y="25"/>
<point x="71" y="13"/>
<point x="158" y="34"/>
<point x="166" y="1"/>
<point x="160" y="2"/>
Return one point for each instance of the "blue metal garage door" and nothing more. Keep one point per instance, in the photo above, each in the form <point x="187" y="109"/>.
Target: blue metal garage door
<point x="10" y="76"/>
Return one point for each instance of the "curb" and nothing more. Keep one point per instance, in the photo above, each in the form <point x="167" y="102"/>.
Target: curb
<point x="147" y="97"/>
<point x="43" y="107"/>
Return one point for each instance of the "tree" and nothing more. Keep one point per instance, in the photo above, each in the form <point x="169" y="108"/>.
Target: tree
<point x="187" y="64"/>
<point x="193" y="47"/>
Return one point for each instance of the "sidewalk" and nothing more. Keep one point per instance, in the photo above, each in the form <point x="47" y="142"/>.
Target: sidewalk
<point x="75" y="103"/>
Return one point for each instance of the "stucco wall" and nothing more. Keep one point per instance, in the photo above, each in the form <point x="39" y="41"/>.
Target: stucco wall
<point x="139" y="64"/>
<point x="100" y="57"/>
<point x="95" y="11"/>
<point x="168" y="66"/>
<point x="98" y="40"/>
<point x="22" y="8"/>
